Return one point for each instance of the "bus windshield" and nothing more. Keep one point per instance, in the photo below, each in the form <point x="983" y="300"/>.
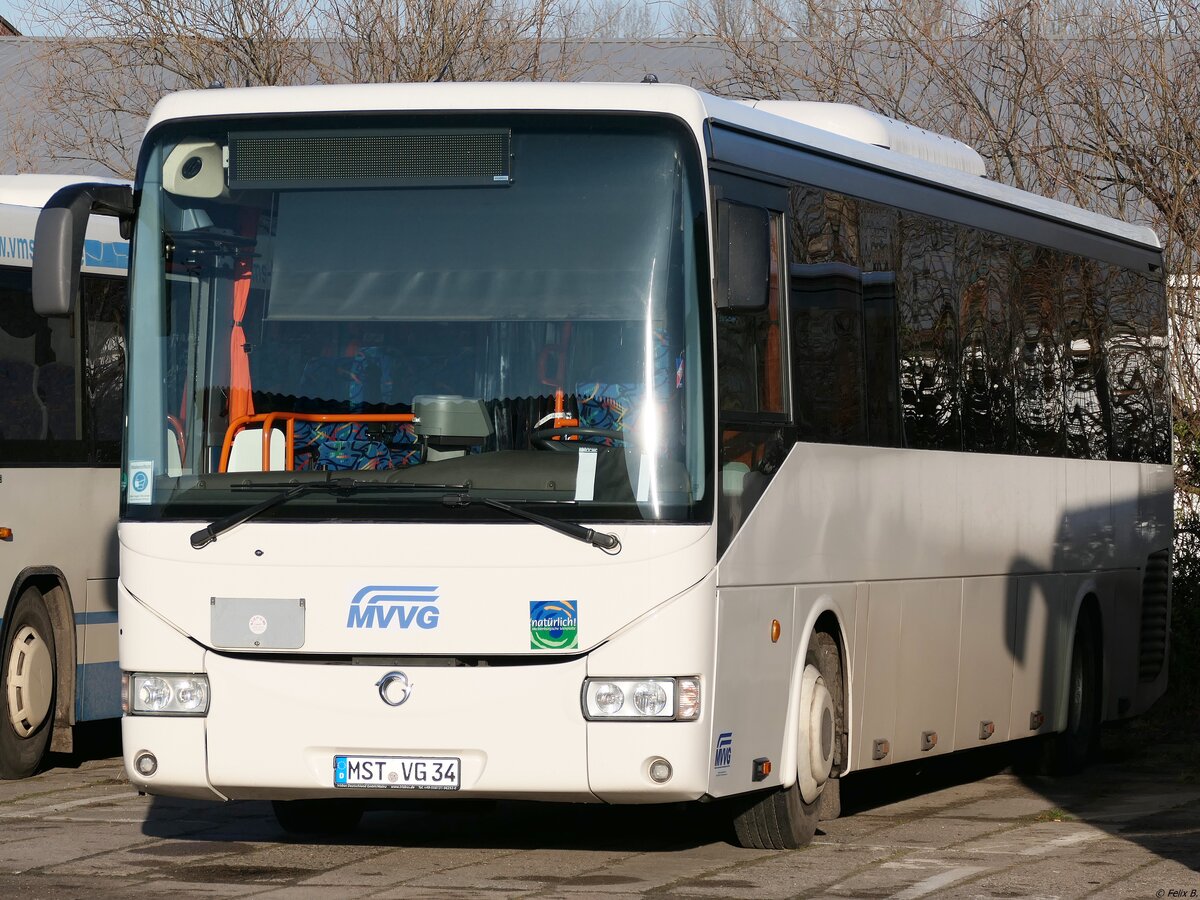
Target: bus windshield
<point x="508" y="304"/>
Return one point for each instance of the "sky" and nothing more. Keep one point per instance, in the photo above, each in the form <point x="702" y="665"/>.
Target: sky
<point x="9" y="10"/>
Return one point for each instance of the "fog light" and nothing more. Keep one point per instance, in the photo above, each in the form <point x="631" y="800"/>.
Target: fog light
<point x="145" y="763"/>
<point x="660" y="771"/>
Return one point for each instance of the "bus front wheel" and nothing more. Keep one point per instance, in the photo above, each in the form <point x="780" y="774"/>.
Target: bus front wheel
<point x="27" y="695"/>
<point x="786" y="818"/>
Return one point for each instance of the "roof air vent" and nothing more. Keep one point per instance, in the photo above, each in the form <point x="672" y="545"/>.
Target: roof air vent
<point x="860" y="124"/>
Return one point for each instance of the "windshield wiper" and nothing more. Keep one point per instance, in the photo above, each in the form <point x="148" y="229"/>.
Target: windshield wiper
<point x="601" y="540"/>
<point x="209" y="533"/>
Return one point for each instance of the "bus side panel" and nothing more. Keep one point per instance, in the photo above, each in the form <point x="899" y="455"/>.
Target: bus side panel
<point x="885" y="514"/>
<point x="64" y="521"/>
<point x="989" y="613"/>
<point x="753" y="682"/>
<point x="1152" y="526"/>
<point x="1120" y="618"/>
<point x="879" y="689"/>
<point x="929" y="645"/>
<point x="98" y="674"/>
<point x="1038" y="663"/>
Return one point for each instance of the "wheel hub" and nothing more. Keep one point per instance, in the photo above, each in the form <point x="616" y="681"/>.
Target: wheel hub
<point x="30" y="680"/>
<point x="814" y="761"/>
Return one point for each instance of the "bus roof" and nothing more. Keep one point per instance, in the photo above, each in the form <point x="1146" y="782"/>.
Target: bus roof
<point x="35" y="190"/>
<point x="854" y="143"/>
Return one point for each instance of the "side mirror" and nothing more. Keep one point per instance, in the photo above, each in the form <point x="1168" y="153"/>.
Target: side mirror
<point x="58" y="240"/>
<point x="743" y="256"/>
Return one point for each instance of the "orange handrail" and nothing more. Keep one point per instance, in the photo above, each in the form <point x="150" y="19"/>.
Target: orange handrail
<point x="268" y="420"/>
<point x="561" y="421"/>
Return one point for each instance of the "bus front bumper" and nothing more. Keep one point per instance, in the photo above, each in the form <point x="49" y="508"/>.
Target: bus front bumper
<point x="274" y="729"/>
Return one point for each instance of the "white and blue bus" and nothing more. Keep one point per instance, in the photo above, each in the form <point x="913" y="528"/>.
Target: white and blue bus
<point x="61" y="385"/>
<point x="617" y="444"/>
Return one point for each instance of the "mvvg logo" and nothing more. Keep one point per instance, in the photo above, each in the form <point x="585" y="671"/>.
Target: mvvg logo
<point x="723" y="758"/>
<point x="385" y="606"/>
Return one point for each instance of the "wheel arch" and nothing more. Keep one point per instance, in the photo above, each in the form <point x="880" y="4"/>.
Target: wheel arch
<point x="56" y="594"/>
<point x="824" y="616"/>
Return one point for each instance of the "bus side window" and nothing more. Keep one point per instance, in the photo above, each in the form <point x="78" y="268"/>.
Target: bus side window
<point x="752" y="374"/>
<point x="105" y="315"/>
<point x="825" y="298"/>
<point x="750" y="362"/>
<point x="40" y="412"/>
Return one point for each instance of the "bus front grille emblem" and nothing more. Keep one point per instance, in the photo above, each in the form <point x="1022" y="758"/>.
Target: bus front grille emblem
<point x="394" y="688"/>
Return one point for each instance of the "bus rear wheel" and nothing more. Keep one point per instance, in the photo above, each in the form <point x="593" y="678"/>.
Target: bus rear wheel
<point x="27" y="695"/>
<point x="1069" y="751"/>
<point x="786" y="818"/>
<point x="317" y="817"/>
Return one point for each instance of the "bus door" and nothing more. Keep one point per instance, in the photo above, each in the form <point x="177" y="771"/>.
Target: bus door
<point x="753" y="384"/>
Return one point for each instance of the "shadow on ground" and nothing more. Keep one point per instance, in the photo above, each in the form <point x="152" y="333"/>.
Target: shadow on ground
<point x="1138" y="791"/>
<point x="93" y="740"/>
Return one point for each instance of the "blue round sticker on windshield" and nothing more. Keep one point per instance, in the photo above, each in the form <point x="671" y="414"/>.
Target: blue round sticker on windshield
<point x="140" y="481"/>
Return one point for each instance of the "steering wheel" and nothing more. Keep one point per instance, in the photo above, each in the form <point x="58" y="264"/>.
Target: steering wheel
<point x="543" y="437"/>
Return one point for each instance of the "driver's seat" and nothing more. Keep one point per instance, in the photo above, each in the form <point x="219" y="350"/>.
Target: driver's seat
<point x="616" y="405"/>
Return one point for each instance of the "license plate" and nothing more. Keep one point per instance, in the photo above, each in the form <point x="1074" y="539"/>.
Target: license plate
<point x="431" y="773"/>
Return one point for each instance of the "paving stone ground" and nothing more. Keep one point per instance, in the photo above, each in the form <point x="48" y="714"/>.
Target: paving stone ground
<point x="968" y="827"/>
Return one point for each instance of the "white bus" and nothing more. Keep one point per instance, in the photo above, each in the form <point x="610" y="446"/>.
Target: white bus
<point x="60" y="454"/>
<point x="618" y="444"/>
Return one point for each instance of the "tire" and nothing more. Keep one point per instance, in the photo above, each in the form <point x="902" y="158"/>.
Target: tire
<point x="317" y="817"/>
<point x="829" y="806"/>
<point x="782" y="819"/>
<point x="28" y="685"/>
<point x="1069" y="751"/>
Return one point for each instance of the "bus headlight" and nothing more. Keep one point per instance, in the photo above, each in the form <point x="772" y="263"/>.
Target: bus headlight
<point x="156" y="694"/>
<point x="649" y="698"/>
<point x="639" y="699"/>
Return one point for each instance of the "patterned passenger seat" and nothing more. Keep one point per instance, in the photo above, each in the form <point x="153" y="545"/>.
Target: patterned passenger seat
<point x="353" y="383"/>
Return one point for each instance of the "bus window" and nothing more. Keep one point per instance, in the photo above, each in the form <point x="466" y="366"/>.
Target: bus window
<point x="750" y="364"/>
<point x="985" y="312"/>
<point x="752" y="382"/>
<point x="928" y="334"/>
<point x="40" y="413"/>
<point x="104" y="311"/>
